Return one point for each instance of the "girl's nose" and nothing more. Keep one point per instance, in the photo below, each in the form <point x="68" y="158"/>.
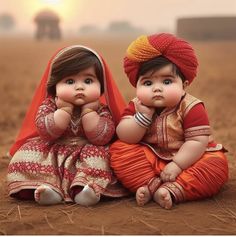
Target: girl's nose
<point x="157" y="87"/>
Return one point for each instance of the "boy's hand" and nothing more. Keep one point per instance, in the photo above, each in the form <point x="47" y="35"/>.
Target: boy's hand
<point x="170" y="172"/>
<point x="148" y="111"/>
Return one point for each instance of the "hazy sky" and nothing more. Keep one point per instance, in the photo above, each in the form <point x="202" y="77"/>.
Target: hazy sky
<point x="150" y="15"/>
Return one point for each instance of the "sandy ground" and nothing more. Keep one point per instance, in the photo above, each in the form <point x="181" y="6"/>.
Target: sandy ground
<point x="22" y="63"/>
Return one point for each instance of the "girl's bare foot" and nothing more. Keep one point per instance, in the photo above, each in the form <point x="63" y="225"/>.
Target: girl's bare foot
<point x="143" y="196"/>
<point x="95" y="189"/>
<point x="44" y="195"/>
<point x="88" y="196"/>
<point x="163" y="198"/>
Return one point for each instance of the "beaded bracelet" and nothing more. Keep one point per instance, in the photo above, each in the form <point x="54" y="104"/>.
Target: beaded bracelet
<point x="142" y="120"/>
<point x="86" y="111"/>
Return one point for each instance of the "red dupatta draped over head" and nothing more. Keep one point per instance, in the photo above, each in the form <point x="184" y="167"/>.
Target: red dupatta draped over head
<point x="111" y="97"/>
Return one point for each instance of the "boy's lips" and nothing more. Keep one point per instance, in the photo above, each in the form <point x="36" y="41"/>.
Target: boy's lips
<point x="157" y="97"/>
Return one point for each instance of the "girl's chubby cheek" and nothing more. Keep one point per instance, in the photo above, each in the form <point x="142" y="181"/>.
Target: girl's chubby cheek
<point x="94" y="95"/>
<point x="64" y="94"/>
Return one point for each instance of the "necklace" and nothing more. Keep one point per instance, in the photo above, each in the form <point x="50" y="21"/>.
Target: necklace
<point x="75" y="121"/>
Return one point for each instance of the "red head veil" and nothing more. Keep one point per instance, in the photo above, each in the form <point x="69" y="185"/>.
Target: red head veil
<point x="111" y="97"/>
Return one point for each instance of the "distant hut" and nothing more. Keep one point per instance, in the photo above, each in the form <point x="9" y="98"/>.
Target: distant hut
<point x="7" y="22"/>
<point x="122" y="27"/>
<point x="47" y="25"/>
<point x="207" y="28"/>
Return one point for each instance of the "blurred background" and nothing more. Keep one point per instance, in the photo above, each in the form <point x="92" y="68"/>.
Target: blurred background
<point x="79" y="17"/>
<point x="32" y="30"/>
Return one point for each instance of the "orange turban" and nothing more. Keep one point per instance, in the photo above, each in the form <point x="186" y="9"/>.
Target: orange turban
<point x="175" y="49"/>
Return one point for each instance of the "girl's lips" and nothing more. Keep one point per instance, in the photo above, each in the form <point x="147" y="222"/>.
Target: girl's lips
<point x="80" y="95"/>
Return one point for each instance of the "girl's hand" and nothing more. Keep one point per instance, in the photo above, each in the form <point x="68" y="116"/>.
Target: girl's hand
<point x="170" y="172"/>
<point x="148" y="111"/>
<point x="92" y="105"/>
<point x="61" y="104"/>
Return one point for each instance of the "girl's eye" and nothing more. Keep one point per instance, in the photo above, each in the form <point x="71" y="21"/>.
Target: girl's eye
<point x="70" y="81"/>
<point x="88" y="80"/>
<point x="167" y="81"/>
<point x="147" y="83"/>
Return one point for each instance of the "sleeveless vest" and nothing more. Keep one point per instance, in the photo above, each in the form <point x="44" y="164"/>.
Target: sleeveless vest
<point x="166" y="134"/>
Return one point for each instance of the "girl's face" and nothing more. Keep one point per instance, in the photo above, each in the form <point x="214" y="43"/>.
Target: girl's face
<point x="79" y="89"/>
<point x="160" y="89"/>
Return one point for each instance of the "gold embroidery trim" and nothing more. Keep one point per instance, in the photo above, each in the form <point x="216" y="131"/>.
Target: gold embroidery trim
<point x="197" y="131"/>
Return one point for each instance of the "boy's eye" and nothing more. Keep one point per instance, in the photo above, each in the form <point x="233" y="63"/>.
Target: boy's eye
<point x="147" y="83"/>
<point x="167" y="81"/>
<point x="88" y="80"/>
<point x="70" y="81"/>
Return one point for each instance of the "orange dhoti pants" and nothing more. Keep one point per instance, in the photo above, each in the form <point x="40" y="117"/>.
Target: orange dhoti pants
<point x="136" y="164"/>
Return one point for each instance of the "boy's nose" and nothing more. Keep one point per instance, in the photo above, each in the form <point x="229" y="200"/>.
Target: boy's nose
<point x="79" y="86"/>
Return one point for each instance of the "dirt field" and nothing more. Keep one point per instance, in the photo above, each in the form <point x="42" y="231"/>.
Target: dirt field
<point x="22" y="63"/>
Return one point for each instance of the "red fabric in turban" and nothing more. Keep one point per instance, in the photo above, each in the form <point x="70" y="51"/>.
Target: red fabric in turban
<point x="177" y="50"/>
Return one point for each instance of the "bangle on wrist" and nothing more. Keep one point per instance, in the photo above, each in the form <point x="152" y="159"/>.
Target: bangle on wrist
<point x="66" y="110"/>
<point x="86" y="111"/>
<point x="142" y="120"/>
<point x="177" y="164"/>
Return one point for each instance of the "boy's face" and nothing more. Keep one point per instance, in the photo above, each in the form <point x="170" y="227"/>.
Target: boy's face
<point x="79" y="89"/>
<point x="161" y="88"/>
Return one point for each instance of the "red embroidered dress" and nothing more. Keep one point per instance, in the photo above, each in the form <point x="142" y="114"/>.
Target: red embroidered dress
<point x="44" y="154"/>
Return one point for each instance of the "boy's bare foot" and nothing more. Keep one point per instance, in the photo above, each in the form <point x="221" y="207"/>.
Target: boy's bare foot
<point x="163" y="198"/>
<point x="143" y="196"/>
<point x="44" y="195"/>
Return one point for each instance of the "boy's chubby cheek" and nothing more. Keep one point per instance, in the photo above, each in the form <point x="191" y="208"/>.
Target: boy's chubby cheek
<point x="145" y="99"/>
<point x="141" y="94"/>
